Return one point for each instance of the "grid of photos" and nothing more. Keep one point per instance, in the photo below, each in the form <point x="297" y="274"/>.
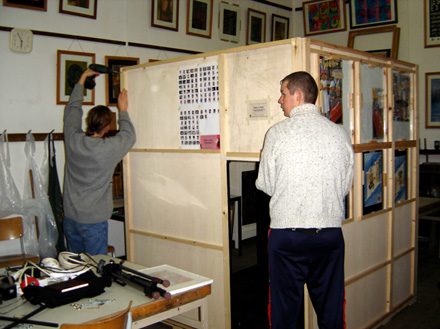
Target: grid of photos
<point x="199" y="107"/>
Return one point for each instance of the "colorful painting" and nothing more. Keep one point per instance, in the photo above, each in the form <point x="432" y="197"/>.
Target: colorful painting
<point x="331" y="77"/>
<point x="323" y="16"/>
<point x="373" y="181"/>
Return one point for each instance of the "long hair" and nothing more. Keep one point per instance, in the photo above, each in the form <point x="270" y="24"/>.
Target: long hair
<point x="98" y="118"/>
<point x="303" y="81"/>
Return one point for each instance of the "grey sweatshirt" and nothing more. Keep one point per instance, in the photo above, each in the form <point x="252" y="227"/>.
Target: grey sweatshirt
<point x="90" y="163"/>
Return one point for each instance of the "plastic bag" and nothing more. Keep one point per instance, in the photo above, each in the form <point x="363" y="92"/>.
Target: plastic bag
<point x="11" y="202"/>
<point x="36" y="203"/>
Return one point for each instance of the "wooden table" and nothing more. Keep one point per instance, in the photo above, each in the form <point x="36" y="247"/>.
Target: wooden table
<point x="185" y="296"/>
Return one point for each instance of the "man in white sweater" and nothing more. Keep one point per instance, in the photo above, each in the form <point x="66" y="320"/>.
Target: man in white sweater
<point x="306" y="168"/>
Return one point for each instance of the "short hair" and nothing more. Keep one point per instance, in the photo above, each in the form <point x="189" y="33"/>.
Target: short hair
<point x="98" y="118"/>
<point x="303" y="81"/>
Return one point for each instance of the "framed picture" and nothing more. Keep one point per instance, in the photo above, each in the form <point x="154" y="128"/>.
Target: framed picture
<point x="199" y="18"/>
<point x="385" y="37"/>
<point x="70" y="65"/>
<point x="330" y="87"/>
<point x="256" y="27"/>
<point x="372" y="13"/>
<point x="400" y="175"/>
<point x="165" y="14"/>
<point x="432" y="88"/>
<point x="280" y="27"/>
<point x="381" y="52"/>
<point x="229" y="22"/>
<point x="372" y="166"/>
<point x="113" y="81"/>
<point x="432" y="23"/>
<point x="27" y="4"/>
<point x="323" y="16"/>
<point x="79" y="8"/>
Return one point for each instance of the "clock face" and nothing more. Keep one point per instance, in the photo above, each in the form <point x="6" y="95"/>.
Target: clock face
<point x="21" y="40"/>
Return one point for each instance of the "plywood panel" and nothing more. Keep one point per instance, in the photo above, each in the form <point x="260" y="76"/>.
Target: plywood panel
<point x="366" y="244"/>
<point x="366" y="300"/>
<point x="206" y="262"/>
<point x="154" y="102"/>
<point x="403" y="280"/>
<point x="263" y="68"/>
<point x="403" y="229"/>
<point x="177" y="194"/>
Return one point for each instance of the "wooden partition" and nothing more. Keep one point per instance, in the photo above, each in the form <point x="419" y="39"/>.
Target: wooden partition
<point x="176" y="193"/>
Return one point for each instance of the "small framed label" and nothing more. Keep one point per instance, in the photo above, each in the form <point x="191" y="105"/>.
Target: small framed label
<point x="257" y="109"/>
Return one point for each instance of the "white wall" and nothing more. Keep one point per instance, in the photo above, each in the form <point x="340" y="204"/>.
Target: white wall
<point x="28" y="81"/>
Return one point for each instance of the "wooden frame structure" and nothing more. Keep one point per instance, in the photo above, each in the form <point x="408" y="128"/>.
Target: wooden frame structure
<point x="177" y="199"/>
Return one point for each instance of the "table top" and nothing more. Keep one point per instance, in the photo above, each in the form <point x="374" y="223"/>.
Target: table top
<point x="117" y="297"/>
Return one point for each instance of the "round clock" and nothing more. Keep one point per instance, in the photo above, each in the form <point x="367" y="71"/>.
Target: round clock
<point x="21" y="40"/>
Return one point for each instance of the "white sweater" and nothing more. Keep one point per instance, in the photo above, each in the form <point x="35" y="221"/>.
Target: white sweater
<point x="307" y="168"/>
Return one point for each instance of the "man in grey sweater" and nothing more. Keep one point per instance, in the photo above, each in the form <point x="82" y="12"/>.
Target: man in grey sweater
<point x="91" y="158"/>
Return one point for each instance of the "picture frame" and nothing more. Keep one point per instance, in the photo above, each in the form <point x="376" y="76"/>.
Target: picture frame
<point x="372" y="13"/>
<point x="199" y="18"/>
<point x="432" y="24"/>
<point x="280" y="27"/>
<point x="27" y="4"/>
<point x="79" y="8"/>
<point x="165" y="14"/>
<point x="229" y="22"/>
<point x="112" y="81"/>
<point x="381" y="52"/>
<point x="330" y="89"/>
<point x="372" y="191"/>
<point x="256" y="27"/>
<point x="70" y="65"/>
<point x="432" y="89"/>
<point x="386" y="37"/>
<point x="400" y="175"/>
<point x="324" y="16"/>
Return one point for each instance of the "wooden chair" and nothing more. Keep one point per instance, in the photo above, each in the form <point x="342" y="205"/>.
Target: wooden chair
<point x="10" y="229"/>
<point x="113" y="321"/>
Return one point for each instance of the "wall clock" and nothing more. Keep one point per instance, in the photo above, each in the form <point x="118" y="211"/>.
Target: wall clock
<point x="21" y="40"/>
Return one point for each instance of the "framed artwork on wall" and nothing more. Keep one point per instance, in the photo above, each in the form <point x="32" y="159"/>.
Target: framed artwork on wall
<point x="432" y="23"/>
<point x="27" y="4"/>
<point x="229" y="22"/>
<point x="280" y="28"/>
<point x="165" y="14"/>
<point x="79" y="8"/>
<point x="432" y="88"/>
<point x="70" y="65"/>
<point x="372" y="13"/>
<point x="199" y="18"/>
<point x="323" y="16"/>
<point x="112" y="81"/>
<point x="256" y="27"/>
<point x="385" y="37"/>
<point x="372" y="165"/>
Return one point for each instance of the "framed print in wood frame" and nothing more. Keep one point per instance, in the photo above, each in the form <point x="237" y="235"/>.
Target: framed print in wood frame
<point x="165" y="14"/>
<point x="280" y="28"/>
<point x="432" y="88"/>
<point x="372" y="167"/>
<point x="256" y="27"/>
<point x="432" y="23"/>
<point x="323" y="16"/>
<point x="386" y="37"/>
<point x="70" y="65"/>
<point x="372" y="13"/>
<point x="79" y="8"/>
<point x="112" y="81"/>
<point x="199" y="18"/>
<point x="400" y="175"/>
<point x="27" y="4"/>
<point x="229" y="22"/>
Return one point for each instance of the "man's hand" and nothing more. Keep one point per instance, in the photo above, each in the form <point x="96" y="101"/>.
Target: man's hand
<point x="123" y="101"/>
<point x="87" y="73"/>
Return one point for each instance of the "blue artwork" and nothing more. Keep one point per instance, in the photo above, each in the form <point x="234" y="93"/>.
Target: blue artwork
<point x="435" y="100"/>
<point x="373" y="166"/>
<point x="400" y="177"/>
